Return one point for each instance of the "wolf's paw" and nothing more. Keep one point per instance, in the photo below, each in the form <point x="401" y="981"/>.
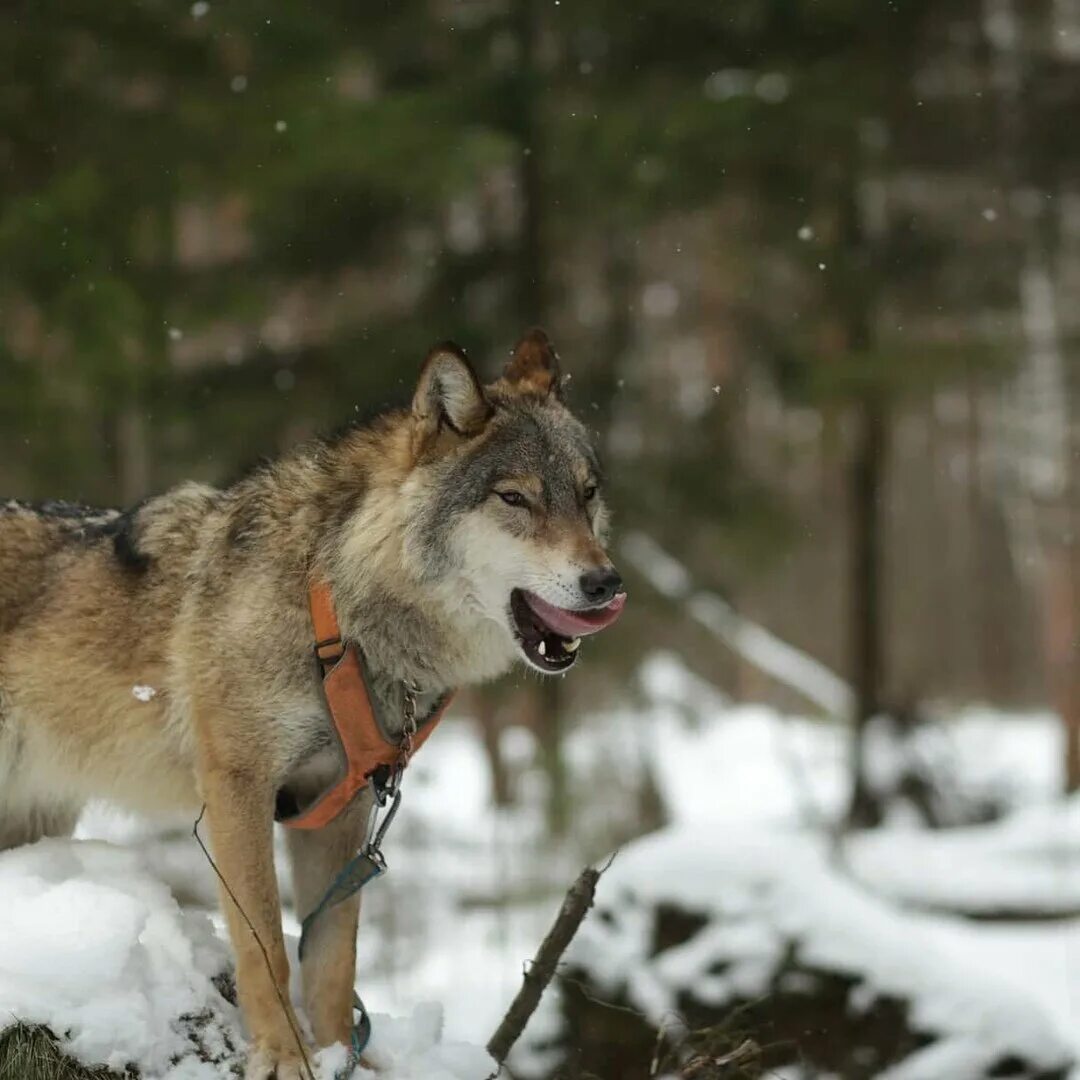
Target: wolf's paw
<point x="266" y="1063"/>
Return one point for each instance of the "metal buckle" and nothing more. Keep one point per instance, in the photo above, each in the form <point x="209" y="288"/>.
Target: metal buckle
<point x="386" y="793"/>
<point x="326" y="662"/>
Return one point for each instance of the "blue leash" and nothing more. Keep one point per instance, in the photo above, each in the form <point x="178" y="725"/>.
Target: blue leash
<point x="367" y="865"/>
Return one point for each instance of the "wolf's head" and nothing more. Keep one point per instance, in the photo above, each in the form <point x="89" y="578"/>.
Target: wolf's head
<point x="505" y="504"/>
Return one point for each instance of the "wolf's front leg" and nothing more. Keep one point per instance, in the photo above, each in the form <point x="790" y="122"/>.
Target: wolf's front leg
<point x="239" y="810"/>
<point x="329" y="964"/>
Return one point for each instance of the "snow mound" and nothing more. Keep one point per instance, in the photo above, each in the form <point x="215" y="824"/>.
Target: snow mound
<point x="1026" y="865"/>
<point x="764" y="898"/>
<point x="97" y="949"/>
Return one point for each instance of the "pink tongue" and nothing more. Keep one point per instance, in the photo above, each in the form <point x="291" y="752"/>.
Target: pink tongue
<point x="576" y="623"/>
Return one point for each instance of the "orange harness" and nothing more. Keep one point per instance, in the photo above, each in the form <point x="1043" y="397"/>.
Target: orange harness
<point x="366" y="748"/>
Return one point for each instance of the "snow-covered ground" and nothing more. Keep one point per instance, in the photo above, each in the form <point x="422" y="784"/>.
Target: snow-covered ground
<point x="767" y="892"/>
<point x="470" y="892"/>
<point x="95" y="946"/>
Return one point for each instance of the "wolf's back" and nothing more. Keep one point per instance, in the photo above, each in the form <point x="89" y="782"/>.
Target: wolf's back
<point x="31" y="538"/>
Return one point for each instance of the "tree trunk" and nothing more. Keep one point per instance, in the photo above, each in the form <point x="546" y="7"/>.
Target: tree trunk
<point x="486" y="705"/>
<point x="1069" y="680"/>
<point x="867" y="646"/>
<point x="866" y="481"/>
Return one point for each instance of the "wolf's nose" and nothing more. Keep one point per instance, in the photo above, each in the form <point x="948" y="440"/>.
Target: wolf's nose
<point x="600" y="586"/>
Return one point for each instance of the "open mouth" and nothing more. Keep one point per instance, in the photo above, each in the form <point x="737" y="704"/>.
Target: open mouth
<point x="549" y="636"/>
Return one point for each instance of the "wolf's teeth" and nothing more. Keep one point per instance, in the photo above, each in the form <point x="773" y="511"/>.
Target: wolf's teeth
<point x="542" y="648"/>
<point x="571" y="644"/>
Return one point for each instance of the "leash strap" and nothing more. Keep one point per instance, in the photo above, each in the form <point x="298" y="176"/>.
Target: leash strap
<point x="357" y="872"/>
<point x="369" y="863"/>
<point x="361" y="1032"/>
<point x="363" y="867"/>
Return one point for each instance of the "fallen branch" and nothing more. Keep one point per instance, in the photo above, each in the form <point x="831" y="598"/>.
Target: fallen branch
<point x="579" y="898"/>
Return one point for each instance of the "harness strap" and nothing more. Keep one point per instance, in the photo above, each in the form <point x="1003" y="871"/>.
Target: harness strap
<point x="365" y="747"/>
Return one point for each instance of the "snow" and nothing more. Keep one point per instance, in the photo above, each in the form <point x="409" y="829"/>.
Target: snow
<point x="412" y="1050"/>
<point x="95" y="947"/>
<point x="1028" y="864"/>
<point x="765" y="891"/>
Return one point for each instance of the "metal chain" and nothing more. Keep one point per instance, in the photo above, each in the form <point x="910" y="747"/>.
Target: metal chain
<point x="387" y="789"/>
<point x="409" y="729"/>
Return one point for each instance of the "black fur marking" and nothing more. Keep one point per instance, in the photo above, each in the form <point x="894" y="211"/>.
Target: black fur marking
<point x="125" y="543"/>
<point x="60" y="509"/>
<point x="120" y="527"/>
<point x="87" y="524"/>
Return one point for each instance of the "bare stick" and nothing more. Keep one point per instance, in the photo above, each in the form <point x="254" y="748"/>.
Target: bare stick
<point x="258" y="941"/>
<point x="579" y="898"/>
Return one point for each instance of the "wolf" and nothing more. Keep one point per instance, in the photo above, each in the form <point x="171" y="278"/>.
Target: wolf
<point x="161" y="657"/>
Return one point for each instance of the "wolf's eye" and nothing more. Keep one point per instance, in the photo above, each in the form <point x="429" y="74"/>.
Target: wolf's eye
<point x="512" y="498"/>
<point x="589" y="492"/>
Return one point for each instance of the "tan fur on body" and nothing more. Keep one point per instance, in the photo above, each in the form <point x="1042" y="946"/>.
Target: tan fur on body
<point x="201" y="594"/>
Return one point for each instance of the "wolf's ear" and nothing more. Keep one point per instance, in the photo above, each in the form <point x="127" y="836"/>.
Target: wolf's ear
<point x="534" y="367"/>
<point x="449" y="394"/>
